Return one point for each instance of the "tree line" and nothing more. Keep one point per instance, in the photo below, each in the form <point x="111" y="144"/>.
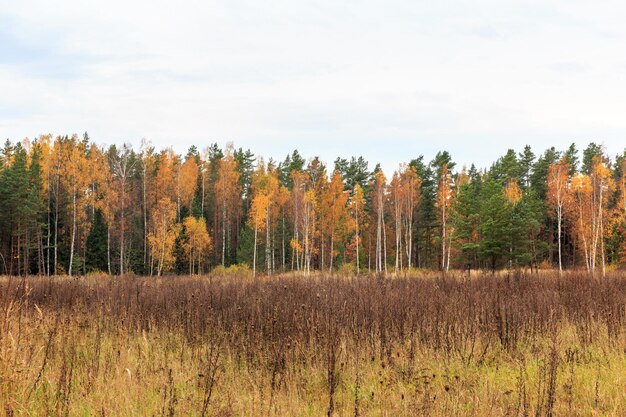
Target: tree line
<point x="69" y="206"/>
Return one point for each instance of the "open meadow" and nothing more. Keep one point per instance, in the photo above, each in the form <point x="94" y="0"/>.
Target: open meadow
<point x="511" y="344"/>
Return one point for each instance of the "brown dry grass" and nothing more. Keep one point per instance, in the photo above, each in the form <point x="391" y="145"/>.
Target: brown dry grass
<point x="512" y="344"/>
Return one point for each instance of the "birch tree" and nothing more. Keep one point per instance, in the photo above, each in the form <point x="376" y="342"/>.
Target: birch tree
<point x="357" y="207"/>
<point x="197" y="242"/>
<point x="558" y="198"/>
<point x="227" y="200"/>
<point x="444" y="200"/>
<point x="122" y="166"/>
<point x="162" y="237"/>
<point x="379" y="198"/>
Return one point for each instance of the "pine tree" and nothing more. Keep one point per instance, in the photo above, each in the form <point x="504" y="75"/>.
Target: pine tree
<point x="538" y="179"/>
<point x="526" y="160"/>
<point x="465" y="216"/>
<point x="426" y="224"/>
<point x="494" y="224"/>
<point x="571" y="157"/>
<point x="96" y="256"/>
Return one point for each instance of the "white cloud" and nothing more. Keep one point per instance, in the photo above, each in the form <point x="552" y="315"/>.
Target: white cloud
<point x="388" y="80"/>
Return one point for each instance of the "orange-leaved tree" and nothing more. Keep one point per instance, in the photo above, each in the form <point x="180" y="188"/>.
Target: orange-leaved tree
<point x="334" y="214"/>
<point x="187" y="181"/>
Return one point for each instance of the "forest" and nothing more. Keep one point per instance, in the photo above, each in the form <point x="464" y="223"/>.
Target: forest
<point x="70" y="206"/>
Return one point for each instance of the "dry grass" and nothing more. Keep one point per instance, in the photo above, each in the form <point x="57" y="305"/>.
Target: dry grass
<point x="513" y="344"/>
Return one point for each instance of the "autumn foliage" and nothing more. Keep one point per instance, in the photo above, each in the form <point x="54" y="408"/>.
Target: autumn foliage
<point x="70" y="206"/>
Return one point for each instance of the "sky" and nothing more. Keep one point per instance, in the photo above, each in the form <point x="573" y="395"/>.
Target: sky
<point x="388" y="80"/>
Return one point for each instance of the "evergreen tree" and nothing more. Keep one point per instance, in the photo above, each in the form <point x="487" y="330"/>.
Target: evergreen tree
<point x="35" y="210"/>
<point x="245" y="249"/>
<point x="426" y="223"/>
<point x="495" y="216"/>
<point x="539" y="177"/>
<point x="465" y="219"/>
<point x="571" y="157"/>
<point x="526" y="160"/>
<point x="354" y="172"/>
<point x="525" y="221"/>
<point x="18" y="203"/>
<point x="245" y="167"/>
<point x="590" y="152"/>
<point x="507" y="168"/>
<point x="96" y="256"/>
<point x="441" y="159"/>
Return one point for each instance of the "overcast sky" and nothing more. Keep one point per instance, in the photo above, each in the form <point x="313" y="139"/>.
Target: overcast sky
<point x="388" y="80"/>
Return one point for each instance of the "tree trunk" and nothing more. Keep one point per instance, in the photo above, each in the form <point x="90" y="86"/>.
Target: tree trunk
<point x="283" y="241"/>
<point x="321" y="266"/>
<point x="332" y="249"/>
<point x="145" y="219"/>
<point x="19" y="233"/>
<point x="443" y="237"/>
<point x="73" y="239"/>
<point x="223" y="231"/>
<point x="122" y="228"/>
<point x="268" y="260"/>
<point x="109" y="247"/>
<point x="559" y="220"/>
<point x="56" y="226"/>
<point x="398" y="230"/>
<point x="356" y="237"/>
<point x="601" y="232"/>
<point x="254" y="253"/>
<point x="190" y="262"/>
<point x="202" y="202"/>
<point x="384" y="245"/>
<point x="49" y="229"/>
<point x="449" y="251"/>
<point x="42" y="259"/>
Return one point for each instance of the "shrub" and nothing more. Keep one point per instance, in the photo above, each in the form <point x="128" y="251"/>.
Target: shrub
<point x="235" y="270"/>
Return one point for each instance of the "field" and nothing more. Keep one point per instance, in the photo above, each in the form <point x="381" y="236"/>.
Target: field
<point x="509" y="344"/>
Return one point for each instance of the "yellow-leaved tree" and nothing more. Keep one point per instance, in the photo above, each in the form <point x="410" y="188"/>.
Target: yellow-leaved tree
<point x="76" y="181"/>
<point x="590" y="194"/>
<point x="558" y="197"/>
<point x="334" y="214"/>
<point x="581" y="195"/>
<point x="602" y="185"/>
<point x="227" y="201"/>
<point x="162" y="237"/>
<point x="444" y="201"/>
<point x="256" y="219"/>
<point x="197" y="242"/>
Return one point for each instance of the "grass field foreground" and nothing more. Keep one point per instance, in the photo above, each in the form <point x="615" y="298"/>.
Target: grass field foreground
<point x="513" y="344"/>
